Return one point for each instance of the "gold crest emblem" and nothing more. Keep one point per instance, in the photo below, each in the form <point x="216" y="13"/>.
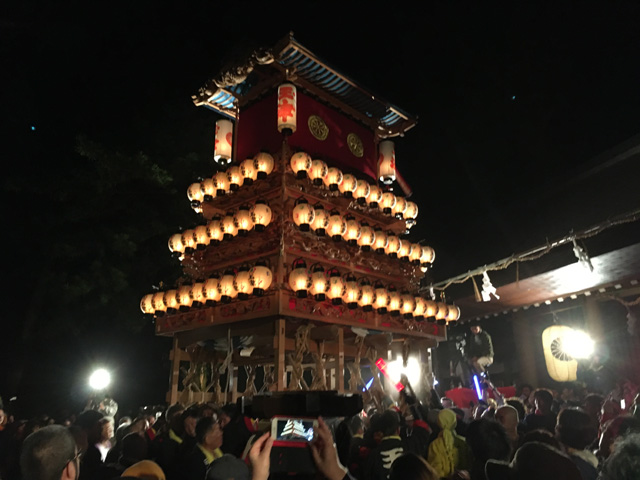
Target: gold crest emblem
<point x="318" y="128"/>
<point x="355" y="145"/>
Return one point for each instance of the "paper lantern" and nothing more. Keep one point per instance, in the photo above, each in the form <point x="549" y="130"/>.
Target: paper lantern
<point x="416" y="253"/>
<point x="561" y="366"/>
<point x="351" y="291"/>
<point x="453" y="315"/>
<point x="405" y="250"/>
<point x="208" y="188"/>
<point x="242" y="220"/>
<point x="348" y="185"/>
<point x="400" y="207"/>
<point x="195" y="195"/>
<point x="387" y="162"/>
<point x="263" y="163"/>
<point x="320" y="220"/>
<point x="260" y="277"/>
<point x="248" y="171"/>
<point x="260" y="215"/>
<point x="381" y="301"/>
<point x="158" y="304"/>
<point x="229" y="229"/>
<point x="420" y="308"/>
<point x="427" y="256"/>
<point x="367" y="294"/>
<point x="214" y="230"/>
<point x="395" y="301"/>
<point x="197" y="297"/>
<point x="375" y="196"/>
<point x="381" y="241"/>
<point x="430" y="310"/>
<point x="226" y="286"/>
<point x="242" y="283"/>
<point x="387" y="202"/>
<point x="202" y="237"/>
<point x="176" y="245"/>
<point x="411" y="213"/>
<point x="223" y="142"/>
<point x="319" y="283"/>
<point x="211" y="291"/>
<point x="299" y="278"/>
<point x="221" y="181"/>
<point x="303" y="214"/>
<point x="337" y="226"/>
<point x="367" y="237"/>
<point x="361" y="193"/>
<point x="441" y="313"/>
<point x="407" y="304"/>
<point x="333" y="179"/>
<point x="171" y="300"/>
<point x="393" y="245"/>
<point x="146" y="304"/>
<point x="352" y="231"/>
<point x="300" y="164"/>
<point x="287" y="106"/>
<point x="184" y="298"/>
<point x="236" y="179"/>
<point x="318" y="172"/>
<point x="336" y="287"/>
<point x="189" y="241"/>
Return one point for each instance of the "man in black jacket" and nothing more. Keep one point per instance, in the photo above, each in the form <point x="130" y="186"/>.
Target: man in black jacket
<point x="480" y="349"/>
<point x="390" y="448"/>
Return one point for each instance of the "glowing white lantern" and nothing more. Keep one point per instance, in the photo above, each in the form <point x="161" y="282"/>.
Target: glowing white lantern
<point x="224" y="142"/>
<point x="261" y="215"/>
<point x="320" y="220"/>
<point x="416" y="253"/>
<point x="336" y="287"/>
<point x="242" y="220"/>
<point x="299" y="278"/>
<point x="400" y="207"/>
<point x="408" y="304"/>
<point x="184" y="298"/>
<point x="176" y="245"/>
<point x="361" y="193"/>
<point x="382" y="297"/>
<point x="367" y="294"/>
<point x="430" y="310"/>
<point x="375" y="196"/>
<point x="171" y="300"/>
<point x="300" y="164"/>
<point x="441" y="313"/>
<point x="351" y="291"/>
<point x="387" y="202"/>
<point x="236" y="179"/>
<point x="395" y="301"/>
<point x="248" y="171"/>
<point x="352" y="232"/>
<point x="208" y="189"/>
<point x="411" y="213"/>
<point x="146" y="304"/>
<point x="260" y="277"/>
<point x="303" y="214"/>
<point x="197" y="296"/>
<point x="263" y="163"/>
<point x="214" y="230"/>
<point x="381" y="241"/>
<point x="319" y="283"/>
<point x="348" y="185"/>
<point x="337" y="226"/>
<point x="202" y="237"/>
<point x="195" y="195"/>
<point x="427" y="256"/>
<point x="221" y="181"/>
<point x="387" y="162"/>
<point x="287" y="106"/>
<point x="333" y="179"/>
<point x="453" y="315"/>
<point x="318" y="172"/>
<point x="367" y="237"/>
<point x="229" y="229"/>
<point x="421" y="306"/>
<point x="189" y="241"/>
<point x="210" y="290"/>
<point x="242" y="283"/>
<point x="405" y="250"/>
<point x="393" y="245"/>
<point x="226" y="286"/>
<point x="158" y="304"/>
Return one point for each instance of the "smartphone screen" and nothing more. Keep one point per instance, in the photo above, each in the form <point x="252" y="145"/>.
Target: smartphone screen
<point x="295" y="430"/>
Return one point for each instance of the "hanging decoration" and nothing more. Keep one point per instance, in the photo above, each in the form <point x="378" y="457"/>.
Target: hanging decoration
<point x="387" y="162"/>
<point x="287" y="106"/>
<point x="223" y="142"/>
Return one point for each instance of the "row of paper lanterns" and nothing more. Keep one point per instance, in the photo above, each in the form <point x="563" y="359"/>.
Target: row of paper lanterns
<point x="239" y="222"/>
<point x="246" y="281"/>
<point x="323" y="284"/>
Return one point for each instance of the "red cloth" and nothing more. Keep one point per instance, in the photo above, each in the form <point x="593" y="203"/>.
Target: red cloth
<point x="462" y="397"/>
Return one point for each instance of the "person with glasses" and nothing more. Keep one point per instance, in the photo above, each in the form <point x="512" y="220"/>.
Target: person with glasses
<point x="50" y="453"/>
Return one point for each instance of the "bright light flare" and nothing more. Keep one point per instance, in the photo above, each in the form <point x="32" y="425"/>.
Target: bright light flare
<point x="478" y="389"/>
<point x="578" y="344"/>
<point x="412" y="370"/>
<point x="100" y="379"/>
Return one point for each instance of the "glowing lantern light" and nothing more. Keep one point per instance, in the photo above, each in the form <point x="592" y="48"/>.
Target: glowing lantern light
<point x="229" y="229"/>
<point x="221" y="181"/>
<point x="382" y="297"/>
<point x="407" y="304"/>
<point x="430" y="310"/>
<point x="248" y="171"/>
<point x="261" y="215"/>
<point x="441" y="313"/>
<point x="202" y="237"/>
<point x="260" y="277"/>
<point x="263" y="163"/>
<point x="184" y="298"/>
<point x="419" y="310"/>
<point x="197" y="297"/>
<point x="195" y="195"/>
<point x="416" y="253"/>
<point x="387" y="202"/>
<point x="299" y="279"/>
<point x="336" y="287"/>
<point x="300" y="164"/>
<point x="367" y="294"/>
<point x="236" y="179"/>
<point x="375" y="196"/>
<point x="287" y="106"/>
<point x="395" y="301"/>
<point x="348" y="185"/>
<point x="387" y="162"/>
<point x="319" y="283"/>
<point x="146" y="304"/>
<point x="214" y="229"/>
<point x="400" y="207"/>
<point x="367" y="237"/>
<point x="208" y="188"/>
<point x="411" y="213"/>
<point x="242" y="220"/>
<point x="171" y="301"/>
<point x="210" y="290"/>
<point x="352" y="231"/>
<point x="318" y="172"/>
<point x="381" y="241"/>
<point x="320" y="220"/>
<point x="333" y="179"/>
<point x="242" y="283"/>
<point x="223" y="142"/>
<point x="351" y="291"/>
<point x="427" y="256"/>
<point x="303" y="214"/>
<point x="405" y="250"/>
<point x="393" y="245"/>
<point x="189" y="241"/>
<point x="176" y="245"/>
<point x="362" y="191"/>
<point x="337" y="226"/>
<point x="158" y="304"/>
<point x="226" y="286"/>
<point x="562" y="366"/>
<point x="453" y="315"/>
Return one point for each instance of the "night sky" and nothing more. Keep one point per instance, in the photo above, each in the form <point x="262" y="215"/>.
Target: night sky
<point x="514" y="101"/>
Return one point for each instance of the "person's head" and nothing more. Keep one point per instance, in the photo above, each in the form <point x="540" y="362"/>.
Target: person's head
<point x="173" y="417"/>
<point x="593" y="404"/>
<point x="525" y="390"/>
<point x="507" y="416"/>
<point x="447" y="419"/>
<point x="190" y="418"/>
<point x="575" y="429"/>
<point x="476" y="329"/>
<point x="389" y="423"/>
<point x="228" y="467"/>
<point x="50" y="454"/>
<point x="356" y="425"/>
<point x="615" y="429"/>
<point x="516" y="403"/>
<point x="534" y="461"/>
<point x="90" y="422"/>
<point x="134" y="449"/>
<point x="624" y="462"/>
<point x="542" y="436"/>
<point x="447" y="402"/>
<point x="139" y="426"/>
<point x="209" y="433"/>
<point x="487" y="439"/>
<point x="106" y="431"/>
<point x="145" y="469"/>
<point x="411" y="467"/>
<point x="228" y="413"/>
<point x="543" y="400"/>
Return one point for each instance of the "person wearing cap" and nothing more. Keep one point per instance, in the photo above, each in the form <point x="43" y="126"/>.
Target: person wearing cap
<point x="449" y="451"/>
<point x="480" y="349"/>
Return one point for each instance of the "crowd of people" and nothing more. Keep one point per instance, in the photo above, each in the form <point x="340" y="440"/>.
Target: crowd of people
<point x="540" y="434"/>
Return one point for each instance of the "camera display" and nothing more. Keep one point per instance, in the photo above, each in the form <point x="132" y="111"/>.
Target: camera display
<point x="294" y="430"/>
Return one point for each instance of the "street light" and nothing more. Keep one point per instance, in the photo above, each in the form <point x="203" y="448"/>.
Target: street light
<point x="100" y="379"/>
